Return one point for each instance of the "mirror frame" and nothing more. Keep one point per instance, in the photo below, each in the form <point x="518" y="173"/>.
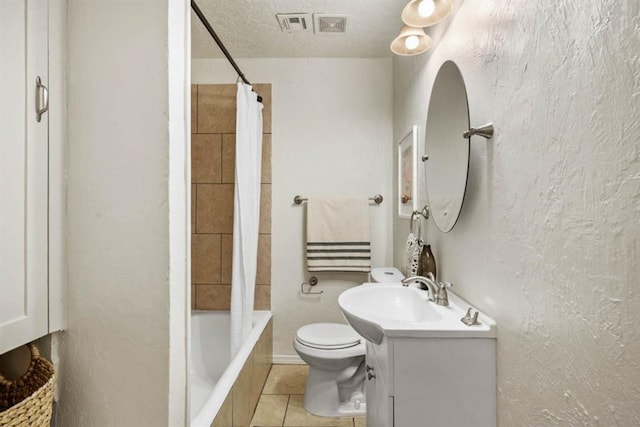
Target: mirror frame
<point x="434" y="214"/>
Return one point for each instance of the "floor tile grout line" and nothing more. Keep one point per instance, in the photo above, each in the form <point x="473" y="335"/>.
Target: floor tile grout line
<point x="286" y="409"/>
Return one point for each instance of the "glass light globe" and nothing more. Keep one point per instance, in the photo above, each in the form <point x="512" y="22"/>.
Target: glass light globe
<point x="426" y="8"/>
<point x="411" y="42"/>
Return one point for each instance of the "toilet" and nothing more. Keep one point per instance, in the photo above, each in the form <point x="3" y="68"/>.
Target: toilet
<point x="335" y="355"/>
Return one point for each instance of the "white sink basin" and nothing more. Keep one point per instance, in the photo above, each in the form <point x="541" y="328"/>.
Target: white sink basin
<point x="376" y="310"/>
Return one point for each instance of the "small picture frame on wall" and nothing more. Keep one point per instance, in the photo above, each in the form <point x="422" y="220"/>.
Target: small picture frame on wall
<point x="408" y="173"/>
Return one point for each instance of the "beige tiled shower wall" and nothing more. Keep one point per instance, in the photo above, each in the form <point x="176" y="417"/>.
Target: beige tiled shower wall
<point x="213" y="139"/>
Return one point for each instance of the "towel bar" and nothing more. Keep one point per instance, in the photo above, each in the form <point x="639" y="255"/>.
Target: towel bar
<point x="377" y="199"/>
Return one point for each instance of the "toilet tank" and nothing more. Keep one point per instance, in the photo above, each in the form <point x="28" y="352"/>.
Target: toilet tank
<point x="385" y="275"/>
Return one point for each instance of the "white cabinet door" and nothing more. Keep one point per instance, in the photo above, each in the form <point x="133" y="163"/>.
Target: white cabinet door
<point x="379" y="401"/>
<point x="372" y="397"/>
<point x="379" y="404"/>
<point x="23" y="173"/>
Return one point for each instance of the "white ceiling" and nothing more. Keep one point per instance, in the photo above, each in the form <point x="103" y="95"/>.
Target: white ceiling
<point x="249" y="29"/>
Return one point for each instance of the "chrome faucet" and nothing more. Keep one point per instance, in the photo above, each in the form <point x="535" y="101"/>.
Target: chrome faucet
<point x="437" y="291"/>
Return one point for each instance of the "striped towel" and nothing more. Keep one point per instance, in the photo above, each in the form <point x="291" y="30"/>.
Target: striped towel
<point x="338" y="235"/>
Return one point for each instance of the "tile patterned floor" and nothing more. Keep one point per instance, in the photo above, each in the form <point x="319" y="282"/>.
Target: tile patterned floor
<point x="280" y="404"/>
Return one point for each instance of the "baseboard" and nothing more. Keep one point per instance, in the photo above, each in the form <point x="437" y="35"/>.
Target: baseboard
<point x="287" y="359"/>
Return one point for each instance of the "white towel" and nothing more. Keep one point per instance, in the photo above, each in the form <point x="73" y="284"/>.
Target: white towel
<point x="338" y="235"/>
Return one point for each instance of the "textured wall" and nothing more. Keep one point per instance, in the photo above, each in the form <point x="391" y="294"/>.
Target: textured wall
<point x="548" y="242"/>
<point x="115" y="353"/>
<point x="331" y="137"/>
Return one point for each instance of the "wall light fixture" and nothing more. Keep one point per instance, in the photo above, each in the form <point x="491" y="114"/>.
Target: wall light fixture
<point x="411" y="41"/>
<point x="424" y="13"/>
<point x="418" y="14"/>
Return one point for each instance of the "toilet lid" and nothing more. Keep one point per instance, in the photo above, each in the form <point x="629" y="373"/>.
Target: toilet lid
<point x="328" y="336"/>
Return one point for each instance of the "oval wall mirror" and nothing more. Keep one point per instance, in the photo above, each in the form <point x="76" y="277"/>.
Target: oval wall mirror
<point x="446" y="150"/>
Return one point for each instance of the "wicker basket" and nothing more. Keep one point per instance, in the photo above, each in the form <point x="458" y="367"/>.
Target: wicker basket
<point x="28" y="400"/>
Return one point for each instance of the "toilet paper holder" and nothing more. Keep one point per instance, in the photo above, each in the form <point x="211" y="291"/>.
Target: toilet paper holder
<point x="313" y="280"/>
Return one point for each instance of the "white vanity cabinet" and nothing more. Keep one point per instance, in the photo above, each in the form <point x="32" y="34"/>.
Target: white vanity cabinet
<point x="439" y="382"/>
<point x="24" y="300"/>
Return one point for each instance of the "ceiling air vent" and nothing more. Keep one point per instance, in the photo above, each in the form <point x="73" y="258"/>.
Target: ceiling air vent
<point x="294" y="22"/>
<point x="330" y="24"/>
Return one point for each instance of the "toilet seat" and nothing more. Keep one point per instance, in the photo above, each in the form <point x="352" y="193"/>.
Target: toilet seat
<point x="328" y="336"/>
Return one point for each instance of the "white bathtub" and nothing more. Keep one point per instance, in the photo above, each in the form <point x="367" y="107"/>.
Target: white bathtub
<point x="212" y="373"/>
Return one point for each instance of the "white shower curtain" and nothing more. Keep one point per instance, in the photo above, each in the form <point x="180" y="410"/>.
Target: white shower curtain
<point x="246" y="214"/>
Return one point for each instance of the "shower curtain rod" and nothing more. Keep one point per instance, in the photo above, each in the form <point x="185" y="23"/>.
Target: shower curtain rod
<point x="224" y="50"/>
